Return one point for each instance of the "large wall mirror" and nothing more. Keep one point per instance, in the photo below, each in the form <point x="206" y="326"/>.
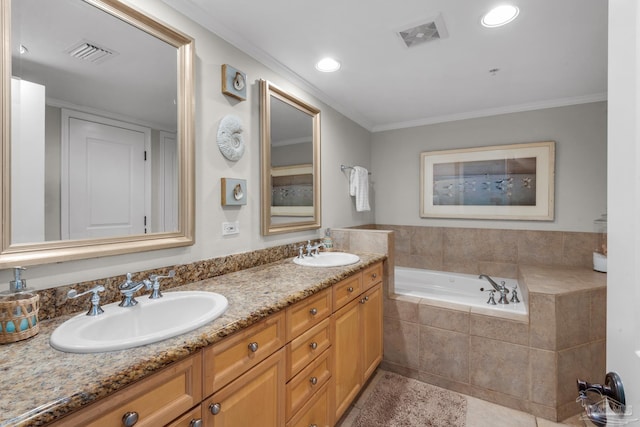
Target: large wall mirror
<point x="290" y="133"/>
<point x="97" y="132"/>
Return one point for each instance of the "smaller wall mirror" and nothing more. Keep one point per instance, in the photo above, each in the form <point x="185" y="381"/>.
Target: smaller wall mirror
<point x="290" y="139"/>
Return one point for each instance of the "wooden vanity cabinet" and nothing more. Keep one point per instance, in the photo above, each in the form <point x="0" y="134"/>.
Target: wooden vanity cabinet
<point x="154" y="401"/>
<point x="299" y="367"/>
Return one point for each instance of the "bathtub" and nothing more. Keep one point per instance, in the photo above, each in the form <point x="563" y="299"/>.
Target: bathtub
<point x="463" y="289"/>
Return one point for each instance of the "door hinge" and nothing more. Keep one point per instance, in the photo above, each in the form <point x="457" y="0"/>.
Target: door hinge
<point x="145" y="222"/>
<point x="145" y="155"/>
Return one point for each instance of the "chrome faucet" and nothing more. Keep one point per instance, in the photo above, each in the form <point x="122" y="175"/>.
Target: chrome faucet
<point x="501" y="288"/>
<point x="95" y="299"/>
<point x="127" y="289"/>
<point x="311" y="248"/>
<point x="154" y="284"/>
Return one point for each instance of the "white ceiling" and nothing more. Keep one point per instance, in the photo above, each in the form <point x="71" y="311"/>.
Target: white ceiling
<point x="554" y="53"/>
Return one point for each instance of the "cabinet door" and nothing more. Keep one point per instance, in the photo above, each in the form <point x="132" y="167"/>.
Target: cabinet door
<point x="371" y="329"/>
<point x="347" y="360"/>
<point x="255" y="398"/>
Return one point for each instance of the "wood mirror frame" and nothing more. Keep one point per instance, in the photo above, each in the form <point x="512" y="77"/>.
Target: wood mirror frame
<point x="65" y="250"/>
<point x="309" y="218"/>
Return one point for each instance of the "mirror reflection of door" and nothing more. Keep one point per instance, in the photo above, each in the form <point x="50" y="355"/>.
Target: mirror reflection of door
<point x="105" y="190"/>
<point x="92" y="62"/>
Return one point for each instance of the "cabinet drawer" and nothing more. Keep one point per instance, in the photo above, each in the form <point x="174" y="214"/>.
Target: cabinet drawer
<point x="315" y="412"/>
<point x="156" y="400"/>
<point x="307" y="382"/>
<point x="371" y="276"/>
<point x="302" y="350"/>
<point x="307" y="313"/>
<point x="346" y="290"/>
<point x="190" y="419"/>
<point x="233" y="356"/>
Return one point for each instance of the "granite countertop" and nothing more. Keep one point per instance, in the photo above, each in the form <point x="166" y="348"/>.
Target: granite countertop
<point x="39" y="384"/>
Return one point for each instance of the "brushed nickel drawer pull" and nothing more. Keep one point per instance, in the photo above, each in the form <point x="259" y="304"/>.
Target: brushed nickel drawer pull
<point x="313" y="345"/>
<point x="215" y="408"/>
<point x="253" y="347"/>
<point x="313" y="380"/>
<point x="130" y="419"/>
<point x="313" y="311"/>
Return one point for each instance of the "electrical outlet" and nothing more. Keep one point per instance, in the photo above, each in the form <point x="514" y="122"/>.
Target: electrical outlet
<point x="230" y="228"/>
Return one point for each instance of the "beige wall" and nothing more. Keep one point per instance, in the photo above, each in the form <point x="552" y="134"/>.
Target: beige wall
<point x="580" y="132"/>
<point x="343" y="141"/>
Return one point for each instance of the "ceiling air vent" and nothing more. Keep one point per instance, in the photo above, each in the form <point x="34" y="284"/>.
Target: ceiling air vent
<point x="90" y="52"/>
<point x="430" y="30"/>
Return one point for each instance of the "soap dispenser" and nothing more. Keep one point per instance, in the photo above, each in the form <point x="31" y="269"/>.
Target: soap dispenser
<point x="18" y="284"/>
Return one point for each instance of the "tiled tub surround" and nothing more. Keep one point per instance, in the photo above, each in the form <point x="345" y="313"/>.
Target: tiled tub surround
<point x="39" y="383"/>
<point x="529" y="363"/>
<point x="491" y="251"/>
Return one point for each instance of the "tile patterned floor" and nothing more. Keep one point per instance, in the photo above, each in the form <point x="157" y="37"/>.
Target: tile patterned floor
<point x="479" y="413"/>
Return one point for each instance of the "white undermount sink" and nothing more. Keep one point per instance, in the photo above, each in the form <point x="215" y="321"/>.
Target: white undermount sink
<point x="327" y="259"/>
<point x="149" y="321"/>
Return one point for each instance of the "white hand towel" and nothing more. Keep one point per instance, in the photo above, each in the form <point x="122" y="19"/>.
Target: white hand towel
<point x="359" y="187"/>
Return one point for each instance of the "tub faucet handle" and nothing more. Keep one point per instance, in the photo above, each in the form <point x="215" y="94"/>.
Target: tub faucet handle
<point x="491" y="299"/>
<point x="514" y="295"/>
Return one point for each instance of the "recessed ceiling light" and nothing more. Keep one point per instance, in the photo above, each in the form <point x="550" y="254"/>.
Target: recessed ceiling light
<point x="500" y="15"/>
<point x="327" y="65"/>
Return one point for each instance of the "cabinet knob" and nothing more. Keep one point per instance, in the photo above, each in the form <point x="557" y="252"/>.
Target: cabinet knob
<point x="196" y="423"/>
<point x="130" y="419"/>
<point x="215" y="408"/>
<point x="253" y="347"/>
<point x="313" y="311"/>
<point x="313" y="380"/>
<point x="313" y="425"/>
<point x="350" y="289"/>
<point x="374" y="275"/>
<point x="313" y="345"/>
<point x="363" y="300"/>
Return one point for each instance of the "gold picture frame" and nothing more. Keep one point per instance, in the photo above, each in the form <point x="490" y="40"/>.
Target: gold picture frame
<point x="512" y="182"/>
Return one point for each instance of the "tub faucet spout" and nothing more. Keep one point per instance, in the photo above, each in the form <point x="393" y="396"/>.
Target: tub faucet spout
<point x="498" y="287"/>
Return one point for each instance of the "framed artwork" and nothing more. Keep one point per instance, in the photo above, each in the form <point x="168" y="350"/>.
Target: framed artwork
<point x="292" y="190"/>
<point x="497" y="182"/>
<point x="233" y="191"/>
<point x="234" y="82"/>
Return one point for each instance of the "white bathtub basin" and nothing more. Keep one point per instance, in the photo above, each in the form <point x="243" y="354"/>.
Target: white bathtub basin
<point x="328" y="259"/>
<point x="150" y="321"/>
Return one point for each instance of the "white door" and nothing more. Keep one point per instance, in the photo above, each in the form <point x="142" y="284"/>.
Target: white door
<point x="168" y="188"/>
<point x="623" y="187"/>
<point x="107" y="189"/>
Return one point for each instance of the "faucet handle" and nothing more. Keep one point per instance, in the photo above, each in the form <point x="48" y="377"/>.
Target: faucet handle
<point x="95" y="299"/>
<point x="154" y="283"/>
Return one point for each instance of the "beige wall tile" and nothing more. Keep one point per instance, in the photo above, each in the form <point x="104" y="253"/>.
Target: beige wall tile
<point x="500" y="398"/>
<point x="548" y="412"/>
<point x="463" y="245"/>
<point x="399" y="369"/>
<point x="461" y="266"/>
<point x="544" y="377"/>
<point x="499" y="269"/>
<point x="402" y="308"/>
<point x="452" y="320"/>
<point x="573" y="318"/>
<point x="401" y="342"/>
<point x="573" y="363"/>
<point x="369" y="241"/>
<point x="501" y="366"/>
<point x="598" y="318"/>
<point x="578" y="249"/>
<point x="444" y="353"/>
<point x="499" y="329"/>
<point x="443" y="382"/>
<point x="540" y="247"/>
<point x="542" y="321"/>
<point x="426" y="241"/>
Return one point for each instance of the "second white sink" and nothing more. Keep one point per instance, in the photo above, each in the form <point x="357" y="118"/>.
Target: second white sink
<point x="328" y="259"/>
<point x="150" y="321"/>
